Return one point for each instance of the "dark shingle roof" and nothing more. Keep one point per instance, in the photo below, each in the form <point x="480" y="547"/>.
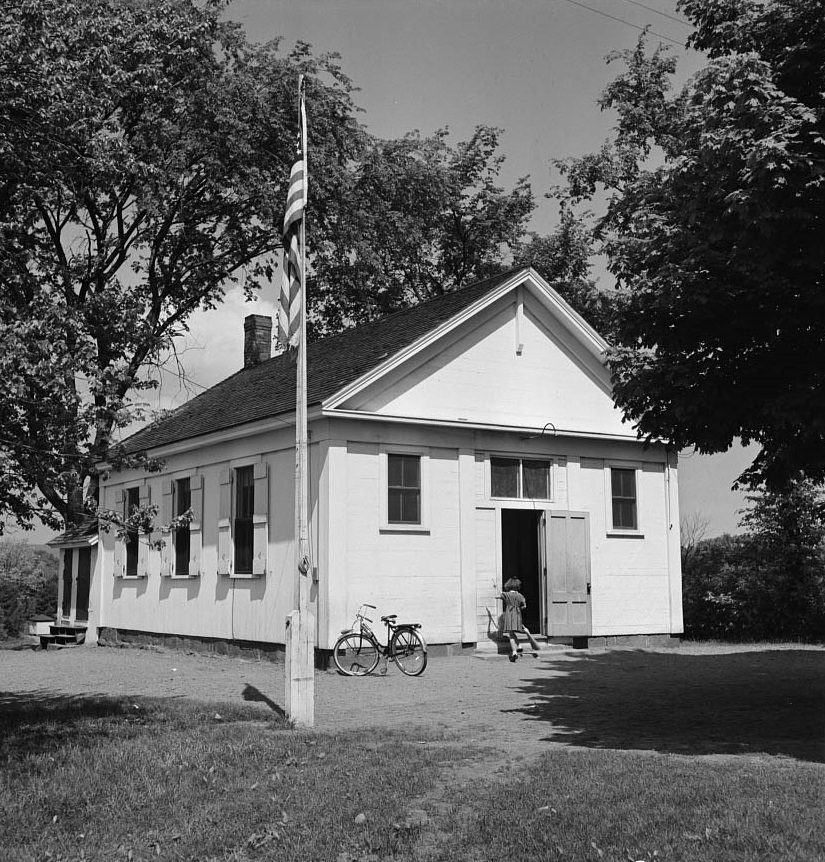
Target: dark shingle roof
<point x="85" y="531"/>
<point x="268" y="389"/>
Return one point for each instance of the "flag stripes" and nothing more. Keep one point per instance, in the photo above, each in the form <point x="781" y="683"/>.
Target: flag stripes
<point x="289" y="309"/>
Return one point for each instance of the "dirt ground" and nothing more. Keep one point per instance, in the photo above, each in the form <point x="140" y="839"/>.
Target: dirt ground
<point x="694" y="699"/>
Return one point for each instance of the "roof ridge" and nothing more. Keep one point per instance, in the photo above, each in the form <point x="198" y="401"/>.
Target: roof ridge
<point x="429" y="301"/>
<point x="265" y="389"/>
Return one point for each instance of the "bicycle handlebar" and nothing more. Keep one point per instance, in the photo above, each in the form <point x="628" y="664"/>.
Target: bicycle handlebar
<point x="361" y="613"/>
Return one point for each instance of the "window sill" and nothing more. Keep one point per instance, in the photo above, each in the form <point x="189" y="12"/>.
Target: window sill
<point x="182" y="577"/>
<point x="132" y="577"/>
<point x="244" y="576"/>
<point x="404" y="528"/>
<point x="625" y="534"/>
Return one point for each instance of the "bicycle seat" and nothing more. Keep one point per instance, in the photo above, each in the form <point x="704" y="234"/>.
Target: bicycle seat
<point x="391" y="618"/>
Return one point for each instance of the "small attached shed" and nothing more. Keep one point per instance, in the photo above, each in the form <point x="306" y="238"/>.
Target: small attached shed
<point x="452" y="445"/>
<point x="77" y="548"/>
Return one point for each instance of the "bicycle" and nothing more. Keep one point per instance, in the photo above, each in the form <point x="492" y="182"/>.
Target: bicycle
<point x="357" y="651"/>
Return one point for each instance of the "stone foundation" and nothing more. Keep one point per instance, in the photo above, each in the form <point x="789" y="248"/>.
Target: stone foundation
<point x="258" y="651"/>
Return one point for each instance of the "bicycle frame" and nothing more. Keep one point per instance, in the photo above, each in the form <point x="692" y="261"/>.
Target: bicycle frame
<point x="362" y="622"/>
<point x="358" y="649"/>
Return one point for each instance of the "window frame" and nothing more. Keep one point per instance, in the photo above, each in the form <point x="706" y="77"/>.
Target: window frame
<point x="521" y="498"/>
<point x="180" y="532"/>
<point x="248" y="520"/>
<point x="423" y="524"/>
<point x="612" y="530"/>
<point x="131" y="550"/>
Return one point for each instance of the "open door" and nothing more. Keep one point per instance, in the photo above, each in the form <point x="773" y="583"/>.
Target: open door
<point x="567" y="556"/>
<point x="520" y="558"/>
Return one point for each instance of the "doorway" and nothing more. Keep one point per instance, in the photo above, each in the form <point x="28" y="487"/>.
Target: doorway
<point x="521" y="558"/>
<point x="68" y="580"/>
<point x="84" y="574"/>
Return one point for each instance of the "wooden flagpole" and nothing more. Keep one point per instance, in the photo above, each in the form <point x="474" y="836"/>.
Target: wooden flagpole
<point x="300" y="646"/>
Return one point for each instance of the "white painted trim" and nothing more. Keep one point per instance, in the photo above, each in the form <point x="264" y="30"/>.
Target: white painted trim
<point x="570" y="319"/>
<point x="615" y="532"/>
<point x="528" y="502"/>
<point x="281" y="422"/>
<point x="467" y="544"/>
<point x="338" y="413"/>
<point x="423" y="453"/>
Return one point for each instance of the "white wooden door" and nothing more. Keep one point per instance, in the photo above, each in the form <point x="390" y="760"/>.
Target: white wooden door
<point x="567" y="556"/>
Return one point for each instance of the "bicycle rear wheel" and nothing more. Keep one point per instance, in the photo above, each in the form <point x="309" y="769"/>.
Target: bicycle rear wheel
<point x="355" y="654"/>
<point x="409" y="651"/>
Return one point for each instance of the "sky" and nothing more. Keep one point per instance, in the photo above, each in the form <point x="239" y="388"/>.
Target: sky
<point x="533" y="68"/>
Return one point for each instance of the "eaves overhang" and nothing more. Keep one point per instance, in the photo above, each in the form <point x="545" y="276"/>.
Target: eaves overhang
<point x="571" y="319"/>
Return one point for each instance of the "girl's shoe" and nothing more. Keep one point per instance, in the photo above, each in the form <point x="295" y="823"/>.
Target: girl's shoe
<point x="514" y="656"/>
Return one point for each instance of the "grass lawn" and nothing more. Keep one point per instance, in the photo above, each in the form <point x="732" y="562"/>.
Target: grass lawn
<point x="173" y="780"/>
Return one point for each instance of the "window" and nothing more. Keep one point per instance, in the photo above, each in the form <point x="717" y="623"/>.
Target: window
<point x="243" y="519"/>
<point x="623" y="496"/>
<point x="132" y="535"/>
<point x="183" y="503"/>
<point x="403" y="489"/>
<point x="520" y="478"/>
<point x="243" y="526"/>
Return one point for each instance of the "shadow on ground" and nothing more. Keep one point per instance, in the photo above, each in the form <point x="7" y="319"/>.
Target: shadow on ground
<point x="739" y="703"/>
<point x="38" y="721"/>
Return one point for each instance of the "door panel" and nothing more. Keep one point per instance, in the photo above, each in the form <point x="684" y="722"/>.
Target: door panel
<point x="567" y="539"/>
<point x="68" y="563"/>
<point x="84" y="573"/>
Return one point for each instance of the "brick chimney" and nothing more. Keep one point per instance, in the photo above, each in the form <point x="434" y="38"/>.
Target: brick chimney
<point x="257" y="339"/>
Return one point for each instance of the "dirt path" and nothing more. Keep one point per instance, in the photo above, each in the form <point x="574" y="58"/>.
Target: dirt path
<point x="689" y="700"/>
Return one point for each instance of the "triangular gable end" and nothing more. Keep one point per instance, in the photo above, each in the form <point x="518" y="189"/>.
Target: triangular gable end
<point x="520" y="357"/>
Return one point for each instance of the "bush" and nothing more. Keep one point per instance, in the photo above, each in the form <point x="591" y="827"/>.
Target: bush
<point x="768" y="584"/>
<point x="28" y="585"/>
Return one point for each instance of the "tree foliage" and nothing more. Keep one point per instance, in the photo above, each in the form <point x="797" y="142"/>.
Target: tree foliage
<point x="714" y="226"/>
<point x="418" y="218"/>
<point x="145" y="148"/>
<point x="769" y="583"/>
<point x="565" y="259"/>
<point x="28" y="585"/>
<point x="144" y="153"/>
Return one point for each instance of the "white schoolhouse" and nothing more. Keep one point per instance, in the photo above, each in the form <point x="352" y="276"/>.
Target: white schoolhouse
<point x="452" y="445"/>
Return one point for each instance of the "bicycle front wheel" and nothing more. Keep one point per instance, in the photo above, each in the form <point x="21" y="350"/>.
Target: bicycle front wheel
<point x="355" y="654"/>
<point x="409" y="651"/>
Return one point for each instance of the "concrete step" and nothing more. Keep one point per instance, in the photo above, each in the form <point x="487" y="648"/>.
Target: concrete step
<point x="501" y="647"/>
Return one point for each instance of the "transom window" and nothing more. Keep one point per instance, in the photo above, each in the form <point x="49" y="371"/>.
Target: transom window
<point x="520" y="478"/>
<point x="623" y="494"/>
<point x="403" y="489"/>
<point x="183" y="502"/>
<point x="244" y="508"/>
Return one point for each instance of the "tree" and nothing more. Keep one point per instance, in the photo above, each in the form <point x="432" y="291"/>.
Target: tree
<point x="714" y="226"/>
<point x="768" y="583"/>
<point x="28" y="585"/>
<point x="417" y="218"/>
<point x="145" y="148"/>
<point x="144" y="154"/>
<point x="565" y="258"/>
<point x="693" y="528"/>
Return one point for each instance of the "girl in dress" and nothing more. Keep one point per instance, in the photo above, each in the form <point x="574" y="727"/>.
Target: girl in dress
<point x="513" y="624"/>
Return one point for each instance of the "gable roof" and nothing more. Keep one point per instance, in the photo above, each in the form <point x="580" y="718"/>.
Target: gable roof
<point x="84" y="533"/>
<point x="268" y="389"/>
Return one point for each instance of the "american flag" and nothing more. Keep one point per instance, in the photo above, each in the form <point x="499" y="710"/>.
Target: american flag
<point x="292" y="276"/>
